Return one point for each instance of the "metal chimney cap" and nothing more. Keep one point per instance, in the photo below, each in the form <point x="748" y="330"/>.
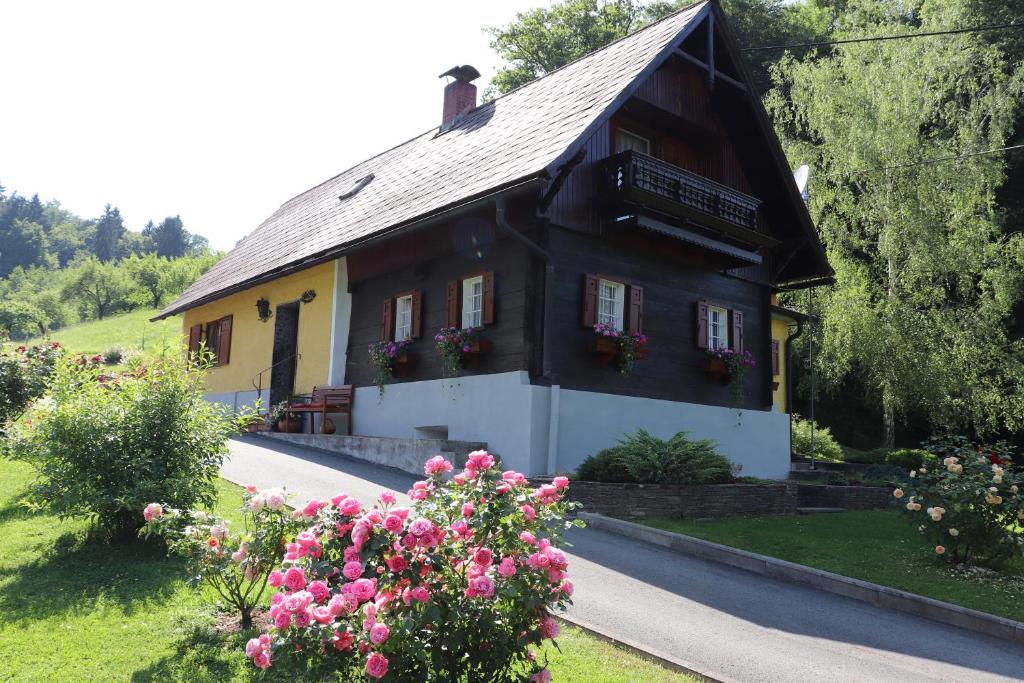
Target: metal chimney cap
<point x="462" y="73"/>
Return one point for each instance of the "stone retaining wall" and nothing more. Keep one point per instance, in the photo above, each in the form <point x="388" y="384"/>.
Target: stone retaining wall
<point x="846" y="497"/>
<point x="668" y="500"/>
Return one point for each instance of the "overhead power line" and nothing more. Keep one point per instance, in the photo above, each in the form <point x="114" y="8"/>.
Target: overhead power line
<point x="994" y="27"/>
<point x="929" y="161"/>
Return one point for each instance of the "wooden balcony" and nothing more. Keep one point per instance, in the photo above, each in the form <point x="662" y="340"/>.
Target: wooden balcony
<point x="641" y="180"/>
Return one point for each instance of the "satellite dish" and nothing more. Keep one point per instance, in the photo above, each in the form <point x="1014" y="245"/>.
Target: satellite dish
<point x="801" y="176"/>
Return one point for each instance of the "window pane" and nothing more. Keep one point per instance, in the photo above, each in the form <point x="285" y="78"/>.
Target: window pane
<point x="472" y="301"/>
<point x="626" y="141"/>
<point x="403" y="318"/>
<point x="609" y="305"/>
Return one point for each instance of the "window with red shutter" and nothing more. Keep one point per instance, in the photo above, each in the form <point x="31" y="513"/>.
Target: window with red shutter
<point x="702" y="324"/>
<point x="195" y="338"/>
<point x="224" y="341"/>
<point x="417" y="314"/>
<point x="590" y="300"/>
<point x="487" y="311"/>
<point x="736" y="333"/>
<point x="454" y="300"/>
<point x="635" y="309"/>
<point x="387" y="320"/>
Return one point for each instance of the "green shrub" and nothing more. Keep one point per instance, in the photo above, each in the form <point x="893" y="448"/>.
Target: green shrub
<point x="24" y="375"/>
<point x="113" y="356"/>
<point x="908" y="458"/>
<point x="967" y="501"/>
<point x="105" y="447"/>
<point x="883" y="475"/>
<point x="825" y="446"/>
<point x="876" y="456"/>
<point x="646" y="459"/>
<point x="837" y="479"/>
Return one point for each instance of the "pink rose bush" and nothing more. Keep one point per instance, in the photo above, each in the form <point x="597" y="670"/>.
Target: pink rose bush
<point x="966" y="500"/>
<point x="457" y="587"/>
<point x="238" y="565"/>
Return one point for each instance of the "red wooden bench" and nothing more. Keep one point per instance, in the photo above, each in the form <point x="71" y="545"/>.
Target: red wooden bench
<point x="328" y="399"/>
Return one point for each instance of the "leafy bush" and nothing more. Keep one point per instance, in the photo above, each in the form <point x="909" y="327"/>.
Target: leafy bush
<point x="909" y="458"/>
<point x="836" y="479"/>
<point x="106" y="446"/>
<point x="113" y="356"/>
<point x="876" y="456"/>
<point x="24" y="375"/>
<point x="883" y="475"/>
<point x="646" y="459"/>
<point x="826" y="448"/>
<point x="236" y="565"/>
<point x="457" y="588"/>
<point x="971" y="501"/>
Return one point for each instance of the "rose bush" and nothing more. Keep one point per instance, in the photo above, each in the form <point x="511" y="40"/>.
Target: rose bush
<point x="235" y="564"/>
<point x="457" y="587"/>
<point x="967" y="500"/>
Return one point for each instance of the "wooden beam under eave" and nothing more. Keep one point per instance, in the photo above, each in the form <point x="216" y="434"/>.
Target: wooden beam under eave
<point x="711" y="50"/>
<point x="725" y="78"/>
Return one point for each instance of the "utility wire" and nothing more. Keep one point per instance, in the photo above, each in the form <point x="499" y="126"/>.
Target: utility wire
<point x="994" y="27"/>
<point x="928" y="161"/>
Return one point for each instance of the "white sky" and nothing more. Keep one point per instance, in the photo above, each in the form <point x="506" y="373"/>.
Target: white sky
<point x="220" y="110"/>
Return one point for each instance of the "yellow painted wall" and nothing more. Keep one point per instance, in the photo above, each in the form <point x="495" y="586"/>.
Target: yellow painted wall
<point x="780" y="330"/>
<point x="252" y="341"/>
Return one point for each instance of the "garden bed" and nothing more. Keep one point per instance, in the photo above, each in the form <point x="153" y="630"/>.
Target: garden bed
<point x="875" y="546"/>
<point x="72" y="609"/>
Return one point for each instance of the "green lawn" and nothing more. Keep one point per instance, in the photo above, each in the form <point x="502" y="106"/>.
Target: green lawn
<point x="127" y="331"/>
<point x="76" y="611"/>
<point x="876" y="546"/>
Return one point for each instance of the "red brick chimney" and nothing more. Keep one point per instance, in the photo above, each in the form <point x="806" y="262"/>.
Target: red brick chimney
<point x="460" y="94"/>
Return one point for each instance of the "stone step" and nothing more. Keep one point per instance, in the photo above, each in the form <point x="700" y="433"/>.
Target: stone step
<point x="813" y="511"/>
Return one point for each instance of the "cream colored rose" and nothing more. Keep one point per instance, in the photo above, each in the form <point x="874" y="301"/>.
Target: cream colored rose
<point x="954" y="532"/>
<point x="913" y="474"/>
<point x="939" y="550"/>
<point x="898" y="493"/>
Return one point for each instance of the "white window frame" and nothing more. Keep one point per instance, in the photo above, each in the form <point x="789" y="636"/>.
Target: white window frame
<point x="403" y="317"/>
<point x="718" y="332"/>
<point x="616" y="315"/>
<point x="473" y="301"/>
<point x="622" y="134"/>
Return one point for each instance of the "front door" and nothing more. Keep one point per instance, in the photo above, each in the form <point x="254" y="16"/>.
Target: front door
<point x="286" y="344"/>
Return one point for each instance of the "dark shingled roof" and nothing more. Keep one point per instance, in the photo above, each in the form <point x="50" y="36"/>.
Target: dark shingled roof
<point x="521" y="135"/>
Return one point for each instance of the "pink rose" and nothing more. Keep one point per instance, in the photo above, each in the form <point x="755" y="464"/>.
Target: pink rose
<point x="567" y="587"/>
<point x="319" y="591"/>
<point x="549" y="628"/>
<point x="352" y="570"/>
<point x="282" y="620"/>
<point x="262" y="660"/>
<point x="393" y="523"/>
<point x="528" y="512"/>
<point x="420" y="526"/>
<point x="350" y="507"/>
<point x="275" y="499"/>
<point x="436" y="465"/>
<point x="527" y="537"/>
<point x="397" y="563"/>
<point x="251" y="488"/>
<point x="336" y="500"/>
<point x="480" y="587"/>
<point x="420" y="594"/>
<point x="507" y="567"/>
<point x="483" y="557"/>
<point x="376" y="665"/>
<point x="379" y="633"/>
<point x="295" y="578"/>
<point x="342" y="640"/>
<point x="542" y="676"/>
<point x="388" y="497"/>
<point x="152" y="511"/>
<point x="467" y="509"/>
<point x="322" y="615"/>
<point x="560" y="482"/>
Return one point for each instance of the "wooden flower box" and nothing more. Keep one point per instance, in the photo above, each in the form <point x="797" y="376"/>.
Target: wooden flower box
<point x="715" y="368"/>
<point x="606" y="350"/>
<point x="477" y="350"/>
<point x="402" y="365"/>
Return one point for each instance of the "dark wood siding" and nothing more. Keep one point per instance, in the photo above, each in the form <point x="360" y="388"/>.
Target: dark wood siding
<point x="671" y="290"/>
<point x="509" y="262"/>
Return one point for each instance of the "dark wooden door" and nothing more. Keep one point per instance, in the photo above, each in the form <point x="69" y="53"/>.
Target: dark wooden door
<point x="286" y="341"/>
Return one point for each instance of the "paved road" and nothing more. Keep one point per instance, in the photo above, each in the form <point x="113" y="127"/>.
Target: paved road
<point x="718" y="620"/>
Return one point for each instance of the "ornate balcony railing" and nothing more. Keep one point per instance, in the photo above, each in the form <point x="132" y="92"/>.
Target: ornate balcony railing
<point x="646" y="180"/>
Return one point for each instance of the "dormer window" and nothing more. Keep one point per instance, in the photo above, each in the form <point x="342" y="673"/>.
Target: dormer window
<point x="628" y="141"/>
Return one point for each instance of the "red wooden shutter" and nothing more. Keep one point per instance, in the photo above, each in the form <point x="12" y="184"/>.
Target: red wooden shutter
<point x="635" y="309"/>
<point x="590" y="286"/>
<point x="487" y="314"/>
<point x="417" y="314"/>
<point x="736" y="338"/>
<point x="702" y="324"/>
<point x="454" y="304"/>
<point x="775" y="357"/>
<point x="387" y="322"/>
<point x="195" y="338"/>
<point x="224" y="342"/>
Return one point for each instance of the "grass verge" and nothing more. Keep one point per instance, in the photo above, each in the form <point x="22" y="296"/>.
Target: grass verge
<point x="876" y="546"/>
<point x="80" y="611"/>
<point x="129" y="331"/>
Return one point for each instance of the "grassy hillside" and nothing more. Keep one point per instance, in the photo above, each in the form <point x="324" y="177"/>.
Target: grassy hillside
<point x="130" y="331"/>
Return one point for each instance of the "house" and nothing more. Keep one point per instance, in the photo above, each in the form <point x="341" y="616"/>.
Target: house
<point x="641" y="186"/>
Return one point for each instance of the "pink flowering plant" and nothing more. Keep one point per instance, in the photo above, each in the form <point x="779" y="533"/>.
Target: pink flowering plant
<point x="459" y="586"/>
<point x="451" y="343"/>
<point x="235" y="564"/>
<point x="967" y="500"/>
<point x="382" y="358"/>
<point x="737" y="364"/>
<point x="632" y="345"/>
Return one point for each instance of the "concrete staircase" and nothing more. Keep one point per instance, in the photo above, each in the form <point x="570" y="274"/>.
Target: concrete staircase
<point x="404" y="454"/>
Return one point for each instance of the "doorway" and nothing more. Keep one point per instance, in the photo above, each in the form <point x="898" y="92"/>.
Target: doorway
<point x="285" y="355"/>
